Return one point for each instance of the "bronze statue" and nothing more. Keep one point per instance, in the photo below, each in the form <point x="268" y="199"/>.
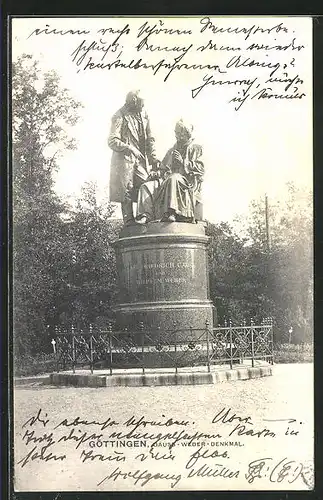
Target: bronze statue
<point x="173" y="193"/>
<point x="133" y="153"/>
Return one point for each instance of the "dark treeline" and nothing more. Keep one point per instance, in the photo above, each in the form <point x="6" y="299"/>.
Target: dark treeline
<point x="64" y="267"/>
<point x="256" y="273"/>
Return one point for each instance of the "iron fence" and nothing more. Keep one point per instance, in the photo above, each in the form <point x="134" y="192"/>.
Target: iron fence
<point x="158" y="348"/>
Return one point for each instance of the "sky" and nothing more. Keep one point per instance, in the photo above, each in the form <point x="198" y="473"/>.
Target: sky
<point x="247" y="153"/>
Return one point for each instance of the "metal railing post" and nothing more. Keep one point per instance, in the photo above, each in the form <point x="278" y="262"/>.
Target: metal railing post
<point x="272" y="339"/>
<point x="175" y="345"/>
<point x="73" y="350"/>
<point x="252" y="343"/>
<point x="64" y="355"/>
<point x="57" y="349"/>
<point x="91" y="348"/>
<point x="207" y="324"/>
<point x="110" y="345"/>
<point x="230" y="337"/>
<point x="142" y="338"/>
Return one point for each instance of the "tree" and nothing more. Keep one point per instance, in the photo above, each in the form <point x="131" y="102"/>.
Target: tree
<point x="238" y="275"/>
<point x="253" y="277"/>
<point x="287" y="276"/>
<point x="226" y="256"/>
<point x="42" y="113"/>
<point x="91" y="281"/>
<point x="292" y="262"/>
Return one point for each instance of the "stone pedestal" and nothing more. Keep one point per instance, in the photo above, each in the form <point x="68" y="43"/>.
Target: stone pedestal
<point x="163" y="277"/>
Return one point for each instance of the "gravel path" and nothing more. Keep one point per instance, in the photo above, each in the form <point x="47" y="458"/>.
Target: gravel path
<point x="286" y="395"/>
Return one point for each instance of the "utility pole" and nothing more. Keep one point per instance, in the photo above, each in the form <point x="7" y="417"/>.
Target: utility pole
<point x="267" y="223"/>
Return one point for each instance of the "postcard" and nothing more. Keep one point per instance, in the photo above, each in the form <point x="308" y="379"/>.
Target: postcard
<point x="162" y="173"/>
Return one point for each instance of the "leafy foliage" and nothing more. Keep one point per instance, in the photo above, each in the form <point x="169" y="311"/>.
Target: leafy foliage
<point x="40" y="111"/>
<point x="90" y="287"/>
<point x="286" y="286"/>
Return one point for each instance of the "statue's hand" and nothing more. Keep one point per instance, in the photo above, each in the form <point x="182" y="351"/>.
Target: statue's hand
<point x="154" y="174"/>
<point x="165" y="171"/>
<point x="137" y="154"/>
<point x="155" y="163"/>
<point x="188" y="167"/>
<point x="177" y="156"/>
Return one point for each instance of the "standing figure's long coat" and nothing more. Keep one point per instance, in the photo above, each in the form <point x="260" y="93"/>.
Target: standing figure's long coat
<point x="127" y="172"/>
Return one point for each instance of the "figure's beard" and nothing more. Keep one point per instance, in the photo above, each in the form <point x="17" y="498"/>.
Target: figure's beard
<point x="183" y="141"/>
<point x="135" y="107"/>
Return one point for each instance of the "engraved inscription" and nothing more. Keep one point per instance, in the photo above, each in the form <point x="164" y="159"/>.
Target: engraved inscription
<point x="164" y="274"/>
<point x="160" y="280"/>
<point x="160" y="265"/>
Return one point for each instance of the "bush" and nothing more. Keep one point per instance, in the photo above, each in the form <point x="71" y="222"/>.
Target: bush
<point x="25" y="366"/>
<point x="293" y="353"/>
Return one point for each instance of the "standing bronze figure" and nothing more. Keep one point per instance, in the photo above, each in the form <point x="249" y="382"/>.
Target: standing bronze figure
<point x="133" y="153"/>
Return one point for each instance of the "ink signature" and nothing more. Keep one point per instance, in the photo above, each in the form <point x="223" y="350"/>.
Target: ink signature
<point x="284" y="470"/>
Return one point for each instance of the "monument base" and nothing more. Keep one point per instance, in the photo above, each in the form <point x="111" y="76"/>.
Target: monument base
<point x="135" y="378"/>
<point x="163" y="277"/>
<point x="166" y="316"/>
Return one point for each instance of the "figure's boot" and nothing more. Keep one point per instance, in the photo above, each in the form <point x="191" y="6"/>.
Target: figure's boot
<point x="127" y="212"/>
<point x="169" y="216"/>
<point x="141" y="219"/>
<point x="145" y="204"/>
